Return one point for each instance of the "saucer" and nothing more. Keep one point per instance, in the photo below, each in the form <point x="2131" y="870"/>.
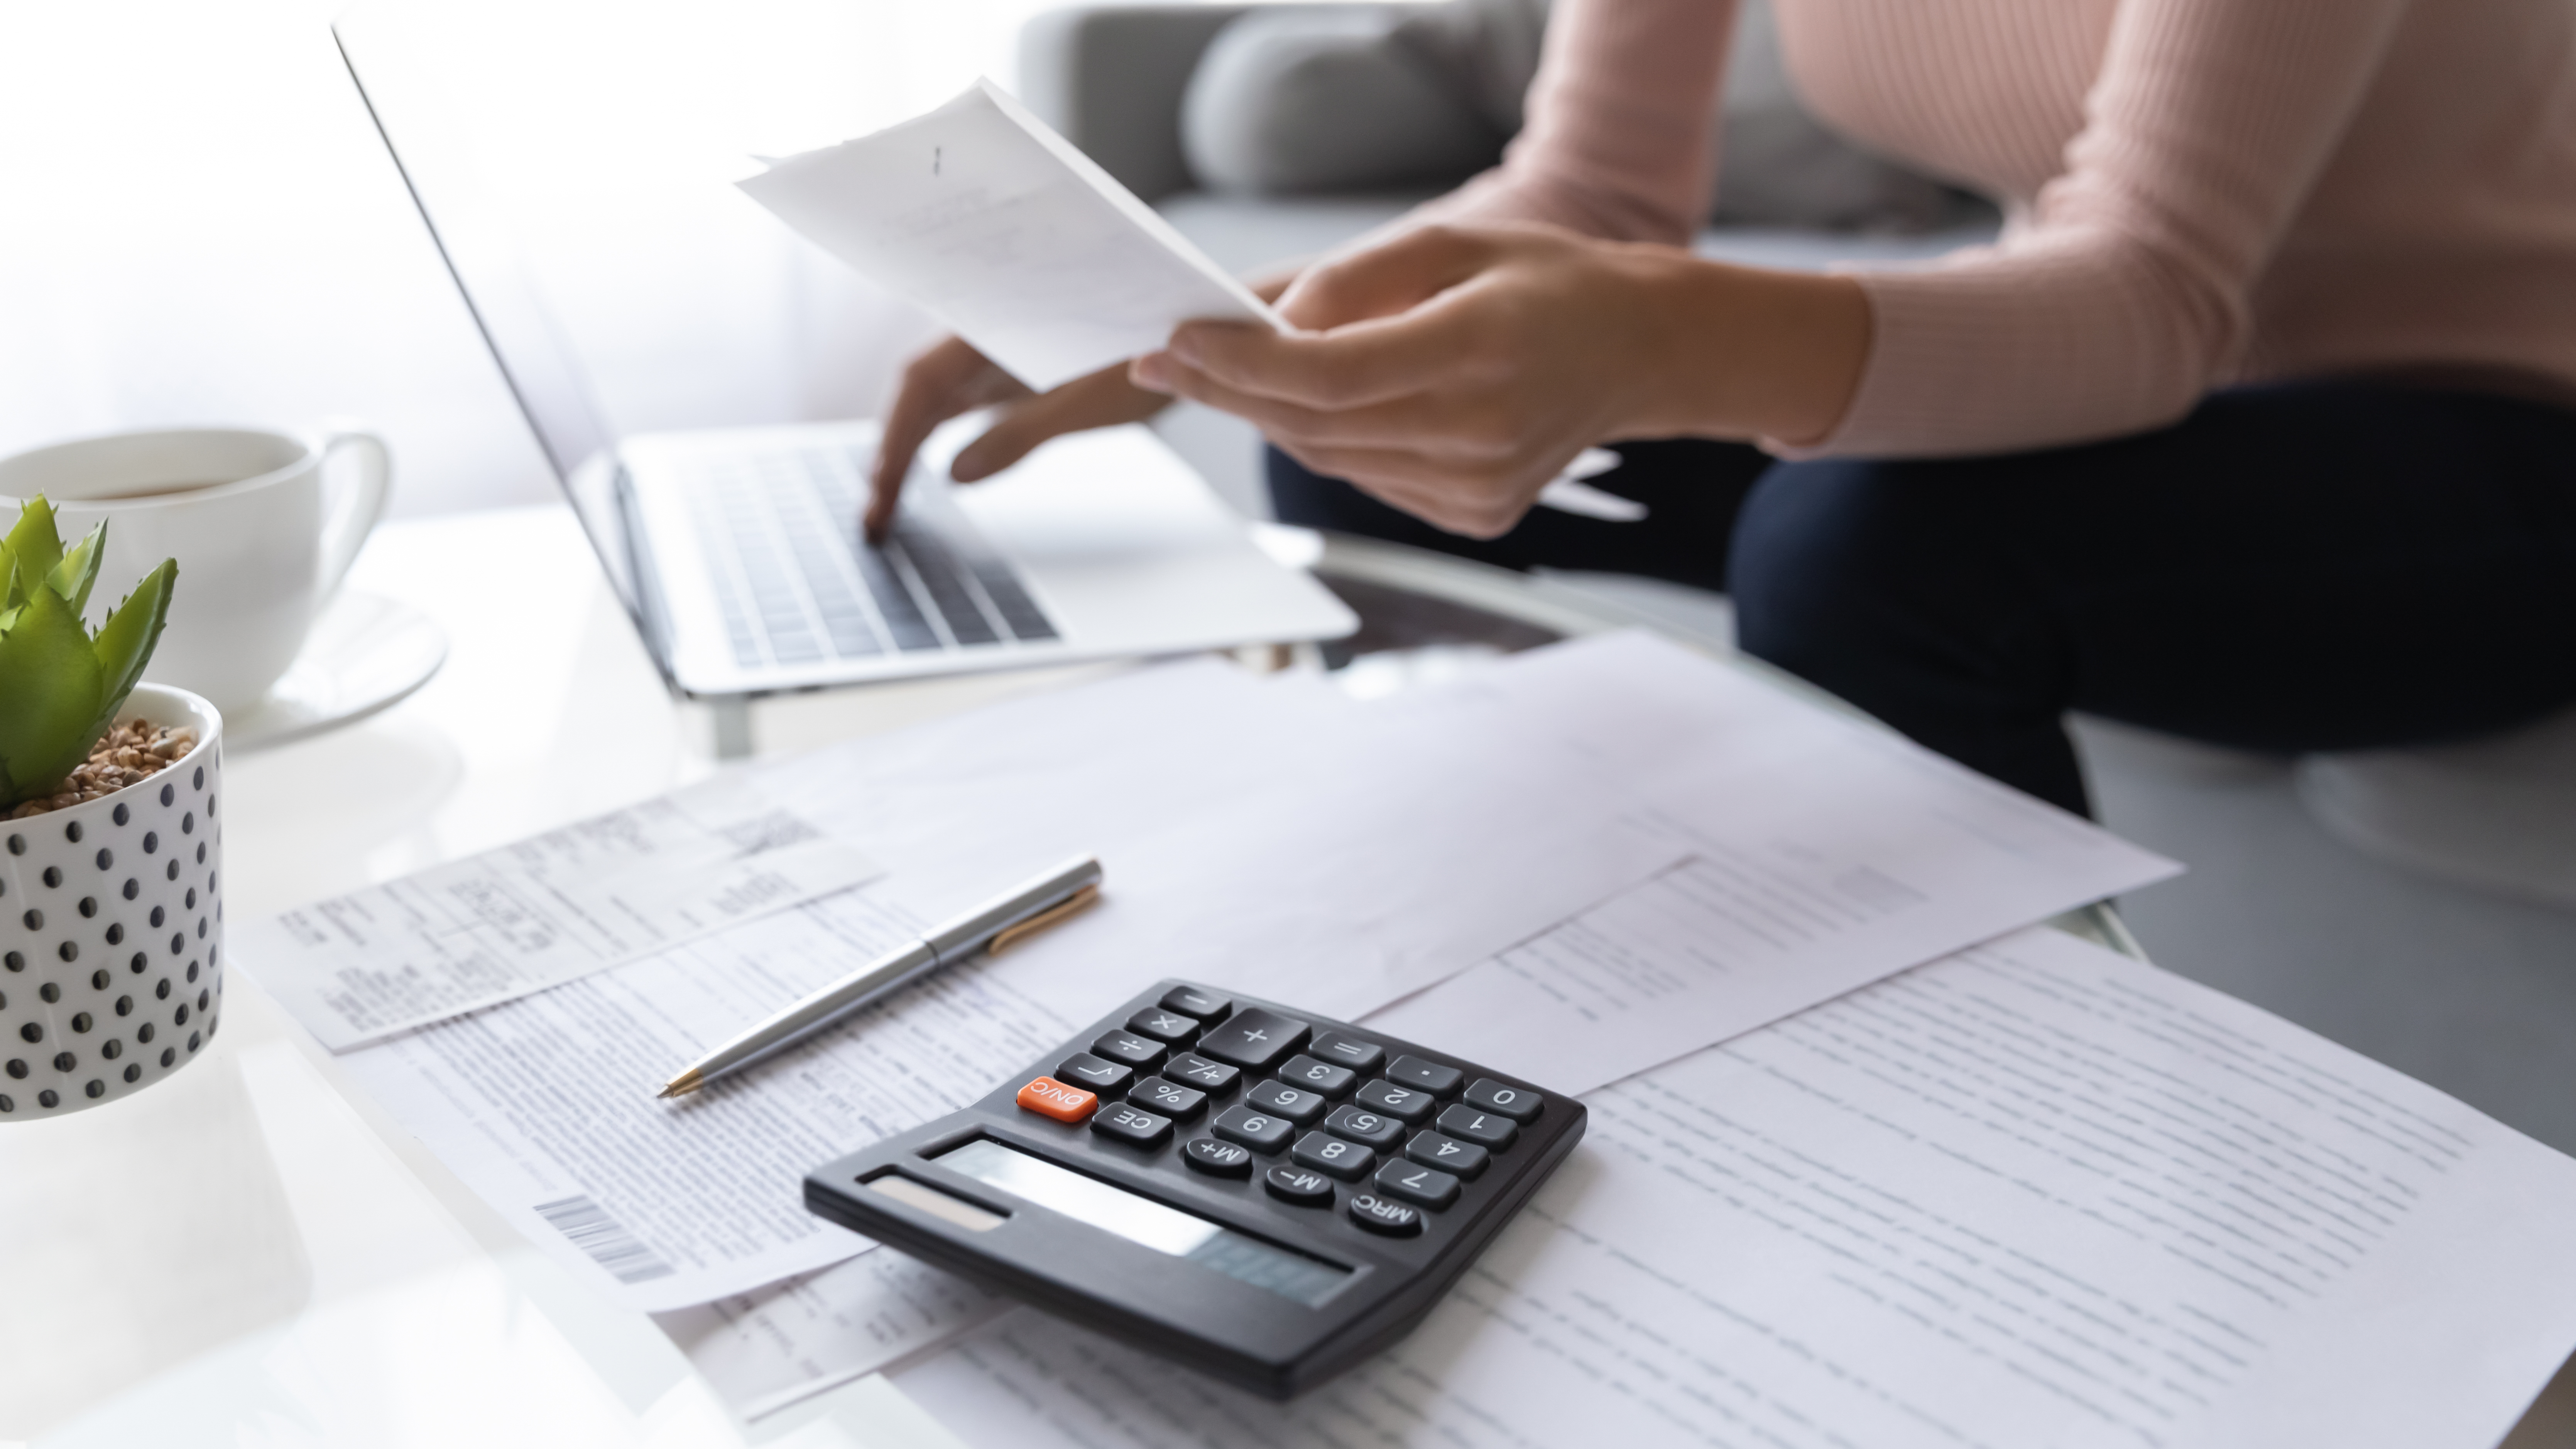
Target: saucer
<point x="365" y="653"/>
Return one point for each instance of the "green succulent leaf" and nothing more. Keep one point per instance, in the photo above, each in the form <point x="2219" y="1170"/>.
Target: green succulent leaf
<point x="51" y="682"/>
<point x="34" y="543"/>
<point x="73" y="577"/>
<point x="11" y="595"/>
<point x="124" y="643"/>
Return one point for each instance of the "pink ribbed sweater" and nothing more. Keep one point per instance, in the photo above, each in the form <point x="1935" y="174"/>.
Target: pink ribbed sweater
<point x="2197" y="192"/>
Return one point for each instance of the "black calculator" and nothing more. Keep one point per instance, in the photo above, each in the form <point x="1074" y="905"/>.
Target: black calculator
<point x="1240" y="1186"/>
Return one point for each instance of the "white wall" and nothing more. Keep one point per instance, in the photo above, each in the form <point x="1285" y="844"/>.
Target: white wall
<point x="198" y="223"/>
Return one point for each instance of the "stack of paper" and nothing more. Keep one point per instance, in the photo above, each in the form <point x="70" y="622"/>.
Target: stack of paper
<point x="2112" y="1195"/>
<point x="1252" y="829"/>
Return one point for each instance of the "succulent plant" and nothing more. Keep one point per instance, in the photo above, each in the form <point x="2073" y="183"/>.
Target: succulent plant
<point x="60" y="684"/>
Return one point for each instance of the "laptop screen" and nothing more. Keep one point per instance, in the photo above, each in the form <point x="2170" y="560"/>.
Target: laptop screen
<point x="433" y="155"/>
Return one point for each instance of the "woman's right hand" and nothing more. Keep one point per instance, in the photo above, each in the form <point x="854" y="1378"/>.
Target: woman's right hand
<point x="951" y="378"/>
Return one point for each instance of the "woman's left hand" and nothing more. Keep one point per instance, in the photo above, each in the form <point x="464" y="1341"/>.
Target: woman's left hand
<point x="1454" y="372"/>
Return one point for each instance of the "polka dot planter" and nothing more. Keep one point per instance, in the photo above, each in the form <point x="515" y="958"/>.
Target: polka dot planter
<point x="112" y="930"/>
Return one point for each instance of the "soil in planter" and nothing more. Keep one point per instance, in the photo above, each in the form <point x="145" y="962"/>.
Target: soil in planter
<point x="130" y="752"/>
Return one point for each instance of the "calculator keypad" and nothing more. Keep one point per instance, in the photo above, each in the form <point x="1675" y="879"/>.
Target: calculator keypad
<point x="1422" y="1186"/>
<point x="1518" y="1103"/>
<point x="1299" y="1185"/>
<point x="1253" y="1038"/>
<point x="1190" y="1001"/>
<point x="1163" y="1026"/>
<point x="1322" y="1078"/>
<point x="1286" y="1101"/>
<point x="1214" y="1078"/>
<point x="1141" y="1052"/>
<point x="1345" y="1050"/>
<point x="1181" y="1104"/>
<point x="1232" y="1094"/>
<point x="1050" y="1098"/>
<point x="1107" y="1078"/>
<point x="1260" y="1131"/>
<point x="1434" y="1077"/>
<point x="1217" y="1159"/>
<point x="1413" y="1107"/>
<point x="1132" y="1125"/>
<point x="1384" y="1215"/>
<point x="1346" y="1160"/>
<point x="1369" y="1129"/>
<point x="1464" y="1159"/>
<point x="1482" y="1128"/>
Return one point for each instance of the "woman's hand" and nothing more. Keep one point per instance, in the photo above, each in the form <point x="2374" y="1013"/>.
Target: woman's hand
<point x="951" y="378"/>
<point x="1454" y="372"/>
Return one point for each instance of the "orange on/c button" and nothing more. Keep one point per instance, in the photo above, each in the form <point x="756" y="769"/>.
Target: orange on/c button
<point x="1050" y="1098"/>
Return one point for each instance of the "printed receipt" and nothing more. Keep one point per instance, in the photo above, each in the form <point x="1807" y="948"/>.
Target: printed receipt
<point x="544" y="1106"/>
<point x="541" y="912"/>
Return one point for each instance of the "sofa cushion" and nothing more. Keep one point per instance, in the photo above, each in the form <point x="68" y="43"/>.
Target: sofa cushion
<point x="1290" y="101"/>
<point x="1295" y="99"/>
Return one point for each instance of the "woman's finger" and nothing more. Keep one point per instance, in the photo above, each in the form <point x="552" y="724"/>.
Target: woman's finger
<point x="1383" y="280"/>
<point x="1420" y="420"/>
<point x="1420" y="500"/>
<point x="1098" y="400"/>
<point x="1349" y="367"/>
<point x="947" y="379"/>
<point x="1479" y="500"/>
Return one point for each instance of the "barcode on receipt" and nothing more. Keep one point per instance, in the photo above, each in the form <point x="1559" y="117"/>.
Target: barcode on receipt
<point x="605" y="1239"/>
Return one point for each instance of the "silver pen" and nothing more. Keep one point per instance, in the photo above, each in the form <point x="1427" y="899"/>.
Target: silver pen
<point x="994" y="926"/>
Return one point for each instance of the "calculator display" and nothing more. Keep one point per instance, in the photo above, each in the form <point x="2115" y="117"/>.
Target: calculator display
<point x="1143" y="1220"/>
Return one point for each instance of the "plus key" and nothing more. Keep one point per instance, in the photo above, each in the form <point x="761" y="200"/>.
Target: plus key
<point x="1253" y="1038"/>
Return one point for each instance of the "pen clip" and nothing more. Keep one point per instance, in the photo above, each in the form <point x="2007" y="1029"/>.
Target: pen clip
<point x="1073" y="904"/>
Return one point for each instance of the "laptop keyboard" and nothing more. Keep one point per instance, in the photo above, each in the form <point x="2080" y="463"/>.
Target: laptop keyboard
<point x="798" y="586"/>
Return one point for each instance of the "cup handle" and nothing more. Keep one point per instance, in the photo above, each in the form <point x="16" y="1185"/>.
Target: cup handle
<point x="347" y="523"/>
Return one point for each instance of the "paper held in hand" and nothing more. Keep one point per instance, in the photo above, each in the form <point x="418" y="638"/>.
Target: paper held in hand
<point x="984" y="217"/>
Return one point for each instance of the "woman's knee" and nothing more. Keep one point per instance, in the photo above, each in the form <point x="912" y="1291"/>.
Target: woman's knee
<point x="1830" y="556"/>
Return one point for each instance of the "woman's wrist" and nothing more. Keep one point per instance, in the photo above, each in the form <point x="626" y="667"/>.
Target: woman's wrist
<point x="1741" y="352"/>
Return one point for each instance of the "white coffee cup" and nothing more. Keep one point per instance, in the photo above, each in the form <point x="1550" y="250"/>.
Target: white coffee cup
<point x="262" y="540"/>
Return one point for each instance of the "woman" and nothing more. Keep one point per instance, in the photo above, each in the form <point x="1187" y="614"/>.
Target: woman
<point x="2258" y="425"/>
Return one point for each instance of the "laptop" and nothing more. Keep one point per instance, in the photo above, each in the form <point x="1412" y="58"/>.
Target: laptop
<point x="738" y="551"/>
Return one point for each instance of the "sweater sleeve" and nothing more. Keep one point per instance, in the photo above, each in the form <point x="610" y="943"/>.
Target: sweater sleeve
<point x="1620" y="122"/>
<point x="2122" y="298"/>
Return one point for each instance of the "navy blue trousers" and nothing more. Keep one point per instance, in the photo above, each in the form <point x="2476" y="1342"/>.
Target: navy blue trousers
<point x="2293" y="567"/>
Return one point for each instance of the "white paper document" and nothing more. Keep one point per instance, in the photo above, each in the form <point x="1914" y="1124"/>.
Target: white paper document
<point x="1262" y="835"/>
<point x="545" y="1105"/>
<point x="2033" y="1194"/>
<point x="984" y="217"/>
<point x="547" y="910"/>
<point x="1823" y="855"/>
<point x="765" y="1350"/>
<point x="1268" y="836"/>
<point x="1250" y="840"/>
